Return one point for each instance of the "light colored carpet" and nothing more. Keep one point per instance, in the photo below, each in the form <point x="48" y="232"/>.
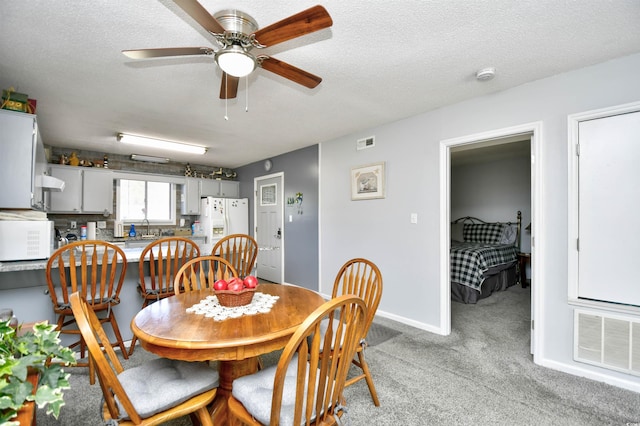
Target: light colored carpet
<point x="482" y="374"/>
<point x="379" y="333"/>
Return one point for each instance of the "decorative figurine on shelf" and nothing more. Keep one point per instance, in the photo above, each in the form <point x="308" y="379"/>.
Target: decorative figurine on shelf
<point x="63" y="159"/>
<point x="105" y="162"/>
<point x="217" y="174"/>
<point x="73" y="159"/>
<point x="187" y="170"/>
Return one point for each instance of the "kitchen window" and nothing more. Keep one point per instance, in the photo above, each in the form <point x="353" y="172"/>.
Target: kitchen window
<point x="140" y="200"/>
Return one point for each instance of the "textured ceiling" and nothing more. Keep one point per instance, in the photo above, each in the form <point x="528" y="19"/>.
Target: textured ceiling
<point x="381" y="61"/>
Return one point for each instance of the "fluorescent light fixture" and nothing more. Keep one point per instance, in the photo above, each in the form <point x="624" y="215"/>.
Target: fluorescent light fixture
<point x="149" y="158"/>
<point x="235" y="61"/>
<point x="160" y="144"/>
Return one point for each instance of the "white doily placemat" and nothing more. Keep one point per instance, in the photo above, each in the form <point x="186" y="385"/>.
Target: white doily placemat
<point x="210" y="307"/>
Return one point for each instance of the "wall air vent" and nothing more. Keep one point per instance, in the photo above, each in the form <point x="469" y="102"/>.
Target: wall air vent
<point x="365" y="143"/>
<point x="608" y="341"/>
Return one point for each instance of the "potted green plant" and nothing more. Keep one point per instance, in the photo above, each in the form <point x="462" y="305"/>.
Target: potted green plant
<point x="25" y="356"/>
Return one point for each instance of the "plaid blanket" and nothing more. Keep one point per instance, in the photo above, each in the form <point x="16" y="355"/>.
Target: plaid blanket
<point x="470" y="260"/>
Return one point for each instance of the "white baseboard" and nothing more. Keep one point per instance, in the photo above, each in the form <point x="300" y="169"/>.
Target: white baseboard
<point x="422" y="326"/>
<point x="575" y="370"/>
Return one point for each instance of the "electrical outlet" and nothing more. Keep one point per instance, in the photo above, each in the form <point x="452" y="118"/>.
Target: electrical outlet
<point x="73" y="224"/>
<point x="102" y="224"/>
<point x="414" y="217"/>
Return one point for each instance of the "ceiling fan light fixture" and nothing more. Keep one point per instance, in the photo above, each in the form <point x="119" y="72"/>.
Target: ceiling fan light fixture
<point x="235" y="61"/>
<point x="160" y="144"/>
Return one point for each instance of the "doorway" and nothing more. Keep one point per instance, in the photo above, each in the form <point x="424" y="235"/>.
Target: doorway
<point x="269" y="230"/>
<point x="532" y="130"/>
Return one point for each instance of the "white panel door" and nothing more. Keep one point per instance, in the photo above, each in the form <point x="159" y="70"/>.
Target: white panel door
<point x="269" y="230"/>
<point x="609" y="200"/>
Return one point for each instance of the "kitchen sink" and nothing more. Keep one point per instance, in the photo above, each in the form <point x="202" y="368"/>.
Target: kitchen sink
<point x="143" y="242"/>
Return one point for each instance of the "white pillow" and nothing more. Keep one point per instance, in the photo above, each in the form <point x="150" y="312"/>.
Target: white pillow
<point x="509" y="234"/>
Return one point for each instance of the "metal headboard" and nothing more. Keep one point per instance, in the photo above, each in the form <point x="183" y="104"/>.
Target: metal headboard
<point x="471" y="219"/>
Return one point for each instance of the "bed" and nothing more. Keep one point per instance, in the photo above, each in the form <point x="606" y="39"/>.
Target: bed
<point x="483" y="257"/>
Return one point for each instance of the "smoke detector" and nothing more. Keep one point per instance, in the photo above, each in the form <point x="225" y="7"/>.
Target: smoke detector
<point x="485" y="74"/>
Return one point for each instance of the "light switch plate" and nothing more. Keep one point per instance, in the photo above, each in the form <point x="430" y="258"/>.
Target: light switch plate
<point x="102" y="224"/>
<point x="414" y="217"/>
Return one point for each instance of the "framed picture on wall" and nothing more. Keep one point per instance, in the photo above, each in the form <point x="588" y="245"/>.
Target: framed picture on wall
<point x="367" y="182"/>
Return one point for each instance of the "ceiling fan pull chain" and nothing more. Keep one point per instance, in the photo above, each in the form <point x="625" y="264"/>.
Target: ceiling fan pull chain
<point x="226" y="97"/>
<point x="246" y="107"/>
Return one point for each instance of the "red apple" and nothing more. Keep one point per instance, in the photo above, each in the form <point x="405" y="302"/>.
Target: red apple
<point x="220" y="285"/>
<point x="250" y="281"/>
<point x="234" y="279"/>
<point x="235" y="285"/>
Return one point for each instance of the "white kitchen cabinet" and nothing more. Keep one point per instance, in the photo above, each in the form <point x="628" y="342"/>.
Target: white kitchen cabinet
<point x="229" y="189"/>
<point x="195" y="188"/>
<point x="70" y="199"/>
<point x="191" y="192"/>
<point x="210" y="188"/>
<point x="86" y="190"/>
<point x="220" y="188"/>
<point x="97" y="191"/>
<point x="24" y="161"/>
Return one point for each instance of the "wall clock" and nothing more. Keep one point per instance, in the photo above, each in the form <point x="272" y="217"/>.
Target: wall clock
<point x="267" y="165"/>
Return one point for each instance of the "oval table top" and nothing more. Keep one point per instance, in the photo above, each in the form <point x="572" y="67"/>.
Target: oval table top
<point x="166" y="329"/>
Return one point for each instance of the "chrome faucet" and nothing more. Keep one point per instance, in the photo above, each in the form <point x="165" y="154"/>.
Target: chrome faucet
<point x="148" y="225"/>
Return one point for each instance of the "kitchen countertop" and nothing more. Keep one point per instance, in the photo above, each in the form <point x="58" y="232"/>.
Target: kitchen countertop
<point x="132" y="253"/>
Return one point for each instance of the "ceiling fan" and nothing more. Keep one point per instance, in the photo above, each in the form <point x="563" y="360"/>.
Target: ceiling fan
<point x="238" y="34"/>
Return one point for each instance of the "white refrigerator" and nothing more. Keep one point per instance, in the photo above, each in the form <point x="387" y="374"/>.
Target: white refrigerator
<point x="220" y="217"/>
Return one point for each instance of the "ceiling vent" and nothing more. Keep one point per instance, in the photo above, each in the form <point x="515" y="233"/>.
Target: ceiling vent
<point x="364" y="143"/>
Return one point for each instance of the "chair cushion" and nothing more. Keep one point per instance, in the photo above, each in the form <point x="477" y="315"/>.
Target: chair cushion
<point x="160" y="384"/>
<point x="149" y="291"/>
<point x="255" y="392"/>
<point x="62" y="305"/>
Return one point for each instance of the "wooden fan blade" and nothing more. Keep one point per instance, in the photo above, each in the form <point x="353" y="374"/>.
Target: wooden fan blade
<point x="290" y="72"/>
<point x="308" y="21"/>
<point x="229" y="86"/>
<point x="200" y="15"/>
<point x="170" y="51"/>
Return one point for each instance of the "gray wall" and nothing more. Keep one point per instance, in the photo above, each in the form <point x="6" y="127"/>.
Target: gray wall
<point x="300" y="169"/>
<point x="409" y="255"/>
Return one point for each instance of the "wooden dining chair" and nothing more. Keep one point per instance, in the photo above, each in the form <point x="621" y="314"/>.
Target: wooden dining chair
<point x="239" y="249"/>
<point x="306" y="386"/>
<point x="149" y="394"/>
<point x="165" y="257"/>
<point x="96" y="270"/>
<point x="362" y="278"/>
<point x="202" y="272"/>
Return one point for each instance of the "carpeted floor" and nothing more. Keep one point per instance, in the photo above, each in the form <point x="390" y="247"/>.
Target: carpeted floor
<point x="379" y="333"/>
<point x="482" y="374"/>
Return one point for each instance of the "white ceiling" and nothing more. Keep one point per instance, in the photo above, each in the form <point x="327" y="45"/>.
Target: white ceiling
<point x="381" y="61"/>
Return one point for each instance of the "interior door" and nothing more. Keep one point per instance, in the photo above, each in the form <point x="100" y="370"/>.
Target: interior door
<point x="269" y="227"/>
<point x="609" y="200"/>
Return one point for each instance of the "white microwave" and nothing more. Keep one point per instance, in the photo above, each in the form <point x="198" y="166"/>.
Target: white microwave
<point x="26" y="239"/>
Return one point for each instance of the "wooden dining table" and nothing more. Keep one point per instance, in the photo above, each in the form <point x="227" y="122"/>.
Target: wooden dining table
<point x="166" y="329"/>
